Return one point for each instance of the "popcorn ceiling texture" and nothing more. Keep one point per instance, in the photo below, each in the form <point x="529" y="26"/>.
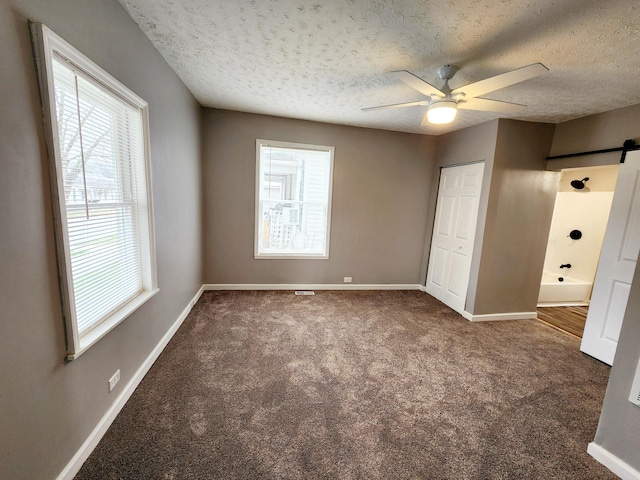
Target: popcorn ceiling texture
<point x="324" y="60"/>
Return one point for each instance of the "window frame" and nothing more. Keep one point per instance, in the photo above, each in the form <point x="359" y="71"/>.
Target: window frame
<point x="47" y="45"/>
<point x="294" y="146"/>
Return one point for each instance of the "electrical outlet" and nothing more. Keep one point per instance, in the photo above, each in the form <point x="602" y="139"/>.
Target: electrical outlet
<point x="348" y="279"/>
<point x="634" y="396"/>
<point x="113" y="381"/>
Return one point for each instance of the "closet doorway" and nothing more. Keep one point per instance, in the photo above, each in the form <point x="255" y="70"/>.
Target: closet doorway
<point x="454" y="233"/>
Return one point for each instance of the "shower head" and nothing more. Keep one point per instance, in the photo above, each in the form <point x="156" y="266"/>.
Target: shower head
<point x="579" y="184"/>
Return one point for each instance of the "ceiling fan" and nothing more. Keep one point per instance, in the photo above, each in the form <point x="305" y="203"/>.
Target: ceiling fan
<point x="444" y="102"/>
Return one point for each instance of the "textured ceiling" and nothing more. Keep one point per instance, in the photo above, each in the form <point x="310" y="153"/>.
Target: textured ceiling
<point x="324" y="60"/>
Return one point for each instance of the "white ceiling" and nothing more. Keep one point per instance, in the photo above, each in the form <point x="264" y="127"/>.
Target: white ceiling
<point x="324" y="60"/>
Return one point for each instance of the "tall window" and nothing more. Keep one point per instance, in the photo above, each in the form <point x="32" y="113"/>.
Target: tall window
<point x="100" y="181"/>
<point x="293" y="200"/>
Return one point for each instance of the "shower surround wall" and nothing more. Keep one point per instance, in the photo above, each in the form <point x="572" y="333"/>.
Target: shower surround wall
<point x="586" y="210"/>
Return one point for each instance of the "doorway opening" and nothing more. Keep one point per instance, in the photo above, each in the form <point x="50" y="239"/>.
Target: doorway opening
<point x="580" y="217"/>
<point x="569" y="320"/>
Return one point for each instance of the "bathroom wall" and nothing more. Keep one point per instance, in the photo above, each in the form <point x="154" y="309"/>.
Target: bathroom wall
<point x="586" y="210"/>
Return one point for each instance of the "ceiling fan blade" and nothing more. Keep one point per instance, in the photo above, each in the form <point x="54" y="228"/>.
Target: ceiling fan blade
<point x="397" y="105"/>
<point x="490" y="105"/>
<point x="417" y="83"/>
<point x="500" y="81"/>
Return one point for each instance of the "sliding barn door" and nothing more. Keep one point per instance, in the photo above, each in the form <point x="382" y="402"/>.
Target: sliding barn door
<point x="616" y="266"/>
<point x="453" y="234"/>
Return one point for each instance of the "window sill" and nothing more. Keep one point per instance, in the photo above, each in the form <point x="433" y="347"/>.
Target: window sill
<point x="296" y="256"/>
<point x="95" y="334"/>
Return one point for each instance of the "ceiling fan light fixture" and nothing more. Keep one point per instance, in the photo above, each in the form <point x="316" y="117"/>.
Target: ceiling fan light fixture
<point x="442" y="111"/>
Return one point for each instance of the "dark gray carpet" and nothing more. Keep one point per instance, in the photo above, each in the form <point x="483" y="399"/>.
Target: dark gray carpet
<point x="356" y="385"/>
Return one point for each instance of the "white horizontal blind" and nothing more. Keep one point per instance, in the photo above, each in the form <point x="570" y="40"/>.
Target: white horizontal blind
<point x="294" y="185"/>
<point x="102" y="165"/>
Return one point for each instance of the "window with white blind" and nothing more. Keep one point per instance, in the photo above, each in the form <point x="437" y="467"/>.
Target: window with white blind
<point x="99" y="156"/>
<point x="293" y="200"/>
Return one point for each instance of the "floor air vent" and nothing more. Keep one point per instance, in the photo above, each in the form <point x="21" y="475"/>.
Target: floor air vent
<point x="305" y="292"/>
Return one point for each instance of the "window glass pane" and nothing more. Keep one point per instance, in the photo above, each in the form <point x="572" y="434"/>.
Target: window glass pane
<point x="99" y="161"/>
<point x="104" y="261"/>
<point x="294" y="200"/>
<point x="99" y="138"/>
<point x="293" y="228"/>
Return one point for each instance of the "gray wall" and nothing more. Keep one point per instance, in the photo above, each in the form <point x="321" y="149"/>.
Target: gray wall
<point x="518" y="219"/>
<point x="620" y="419"/>
<point x="380" y="197"/>
<point x="468" y="145"/>
<point x="595" y="132"/>
<point x="48" y="408"/>
<point x="515" y="210"/>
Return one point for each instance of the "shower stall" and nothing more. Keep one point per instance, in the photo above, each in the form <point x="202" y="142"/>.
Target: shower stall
<point x="578" y="226"/>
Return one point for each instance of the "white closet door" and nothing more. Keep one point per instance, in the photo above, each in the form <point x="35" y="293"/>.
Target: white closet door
<point x="616" y="266"/>
<point x="453" y="234"/>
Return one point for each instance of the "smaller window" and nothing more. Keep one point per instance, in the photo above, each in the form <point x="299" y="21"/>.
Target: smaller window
<point x="293" y="200"/>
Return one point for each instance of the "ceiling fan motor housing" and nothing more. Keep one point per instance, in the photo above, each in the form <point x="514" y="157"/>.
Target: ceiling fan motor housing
<point x="447" y="72"/>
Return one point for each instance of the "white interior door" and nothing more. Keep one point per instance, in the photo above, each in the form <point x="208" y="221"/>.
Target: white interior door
<point x="453" y="234"/>
<point x="617" y="264"/>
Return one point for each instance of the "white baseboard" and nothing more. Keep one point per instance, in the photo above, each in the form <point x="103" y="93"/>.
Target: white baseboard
<point x="613" y="463"/>
<point x="490" y="317"/>
<point x="311" y="286"/>
<point x="105" y="422"/>
<point x="564" y="304"/>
